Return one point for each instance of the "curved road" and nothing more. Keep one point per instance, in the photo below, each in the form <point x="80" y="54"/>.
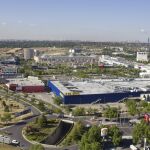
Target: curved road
<point x="16" y="130"/>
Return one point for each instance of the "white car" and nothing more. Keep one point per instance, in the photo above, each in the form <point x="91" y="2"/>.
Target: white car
<point x="134" y="121"/>
<point x="15" y="142"/>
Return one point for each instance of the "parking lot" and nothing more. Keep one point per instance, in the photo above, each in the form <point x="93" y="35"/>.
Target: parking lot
<point x="45" y="97"/>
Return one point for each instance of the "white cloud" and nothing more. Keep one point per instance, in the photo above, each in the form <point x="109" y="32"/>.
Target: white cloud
<point x="3" y="23"/>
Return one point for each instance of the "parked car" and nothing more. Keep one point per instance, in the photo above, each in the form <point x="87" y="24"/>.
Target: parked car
<point x="134" y="121"/>
<point x="15" y="142"/>
<point x="5" y="139"/>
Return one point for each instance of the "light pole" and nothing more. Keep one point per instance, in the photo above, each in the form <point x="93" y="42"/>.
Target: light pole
<point x="144" y="143"/>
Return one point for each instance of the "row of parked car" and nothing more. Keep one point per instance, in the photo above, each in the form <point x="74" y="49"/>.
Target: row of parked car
<point x="7" y="140"/>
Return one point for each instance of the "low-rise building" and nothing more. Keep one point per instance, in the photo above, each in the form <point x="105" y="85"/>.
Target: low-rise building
<point x="27" y="85"/>
<point x="145" y="71"/>
<point x="142" y="56"/>
<point x="115" y="61"/>
<point x="68" y="60"/>
<point x="8" y="70"/>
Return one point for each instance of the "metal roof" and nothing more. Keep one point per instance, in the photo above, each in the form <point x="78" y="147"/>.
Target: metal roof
<point x="103" y="86"/>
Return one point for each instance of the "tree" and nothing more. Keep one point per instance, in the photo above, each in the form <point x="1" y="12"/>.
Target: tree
<point x="42" y="121"/>
<point x="37" y="147"/>
<point x="11" y="106"/>
<point x="75" y="135"/>
<point x="144" y="97"/>
<point x="91" y="139"/>
<point x="25" y="95"/>
<point x="57" y="100"/>
<point x="41" y="106"/>
<point x="6" y="108"/>
<point x="132" y="107"/>
<point x="6" y="117"/>
<point x="36" y="121"/>
<point x="111" y="112"/>
<point x="143" y="103"/>
<point x="31" y="129"/>
<point x="79" y="111"/>
<point x="96" y="146"/>
<point x="33" y="100"/>
<point x="148" y="98"/>
<point x="115" y="135"/>
<point x="67" y="109"/>
<point x="3" y="104"/>
<point x="90" y="111"/>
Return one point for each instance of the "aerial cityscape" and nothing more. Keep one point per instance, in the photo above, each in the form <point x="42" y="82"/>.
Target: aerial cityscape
<point x="74" y="75"/>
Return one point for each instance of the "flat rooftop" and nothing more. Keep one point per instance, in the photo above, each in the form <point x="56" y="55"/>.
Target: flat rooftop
<point x="103" y="86"/>
<point x="30" y="81"/>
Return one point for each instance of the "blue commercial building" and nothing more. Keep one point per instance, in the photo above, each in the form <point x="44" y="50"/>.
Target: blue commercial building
<point x="88" y="93"/>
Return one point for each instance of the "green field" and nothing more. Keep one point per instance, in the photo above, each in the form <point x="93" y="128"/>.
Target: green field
<point x="8" y="147"/>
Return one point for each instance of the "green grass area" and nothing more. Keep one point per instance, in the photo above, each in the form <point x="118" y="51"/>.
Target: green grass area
<point x="37" y="133"/>
<point x="8" y="147"/>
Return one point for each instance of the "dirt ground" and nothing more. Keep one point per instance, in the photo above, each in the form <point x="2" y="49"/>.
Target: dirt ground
<point x="8" y="147"/>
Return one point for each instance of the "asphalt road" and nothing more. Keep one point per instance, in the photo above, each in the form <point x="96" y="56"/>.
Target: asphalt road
<point x="16" y="132"/>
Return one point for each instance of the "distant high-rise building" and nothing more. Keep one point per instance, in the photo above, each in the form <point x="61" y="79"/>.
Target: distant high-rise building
<point x="28" y="54"/>
<point x="148" y="44"/>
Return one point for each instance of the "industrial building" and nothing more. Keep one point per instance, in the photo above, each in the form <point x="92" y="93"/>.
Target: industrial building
<point x="70" y="60"/>
<point x="99" y="91"/>
<point x="28" y="54"/>
<point x="8" y="70"/>
<point x="115" y="61"/>
<point x="27" y="85"/>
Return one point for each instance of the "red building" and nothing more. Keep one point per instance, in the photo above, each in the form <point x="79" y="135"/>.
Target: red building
<point x="27" y="85"/>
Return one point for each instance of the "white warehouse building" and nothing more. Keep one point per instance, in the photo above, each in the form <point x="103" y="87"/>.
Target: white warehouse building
<point x="142" y="56"/>
<point x="115" y="61"/>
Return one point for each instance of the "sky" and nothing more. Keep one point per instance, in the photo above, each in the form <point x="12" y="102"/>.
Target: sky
<point x="86" y="20"/>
